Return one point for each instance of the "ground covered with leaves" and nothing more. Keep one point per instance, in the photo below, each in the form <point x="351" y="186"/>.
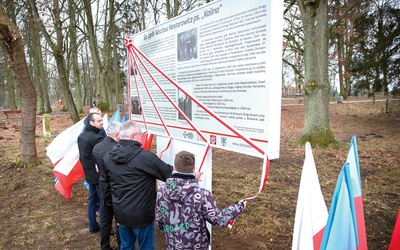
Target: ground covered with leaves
<point x="33" y="215"/>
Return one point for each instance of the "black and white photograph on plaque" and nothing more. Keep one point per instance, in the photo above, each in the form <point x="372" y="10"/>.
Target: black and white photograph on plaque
<point x="187" y="45"/>
<point x="136" y="108"/>
<point x="184" y="104"/>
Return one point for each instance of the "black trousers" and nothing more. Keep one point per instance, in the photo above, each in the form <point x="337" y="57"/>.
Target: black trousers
<point x="106" y="226"/>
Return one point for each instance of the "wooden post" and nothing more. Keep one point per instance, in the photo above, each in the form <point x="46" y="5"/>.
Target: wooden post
<point x="387" y="104"/>
<point x="46" y="126"/>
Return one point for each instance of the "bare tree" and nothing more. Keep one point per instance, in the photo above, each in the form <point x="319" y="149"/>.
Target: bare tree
<point x="94" y="48"/>
<point x="74" y="55"/>
<point x="180" y="6"/>
<point x="293" y="41"/>
<point x="58" y="53"/>
<point x="109" y="36"/>
<point x="38" y="74"/>
<point x="11" y="41"/>
<point x="142" y="11"/>
<point x="112" y="39"/>
<point x="11" y="100"/>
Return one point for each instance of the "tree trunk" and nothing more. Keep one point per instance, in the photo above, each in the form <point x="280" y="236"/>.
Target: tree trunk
<point x="346" y="64"/>
<point x="74" y="56"/>
<point x="168" y="9"/>
<point x="317" y="128"/>
<point x="106" y="79"/>
<point x="44" y="84"/>
<point x="84" y="80"/>
<point x="34" y="47"/>
<point x="44" y="80"/>
<point x="60" y="61"/>
<point x="142" y="11"/>
<point x="94" y="51"/>
<point x="117" y="83"/>
<point x="10" y="88"/>
<point x="14" y="98"/>
<point x="58" y="54"/>
<point x="11" y="40"/>
<point x="340" y="65"/>
<point x="176" y="7"/>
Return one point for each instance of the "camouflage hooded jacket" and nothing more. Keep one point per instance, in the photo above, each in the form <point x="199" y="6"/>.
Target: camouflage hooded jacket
<point x="182" y="209"/>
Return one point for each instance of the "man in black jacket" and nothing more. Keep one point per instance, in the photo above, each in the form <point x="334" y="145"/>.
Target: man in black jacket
<point x="86" y="141"/>
<point x="99" y="150"/>
<point x="131" y="173"/>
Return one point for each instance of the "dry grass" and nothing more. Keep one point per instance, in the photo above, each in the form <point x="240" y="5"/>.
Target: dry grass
<point x="34" y="216"/>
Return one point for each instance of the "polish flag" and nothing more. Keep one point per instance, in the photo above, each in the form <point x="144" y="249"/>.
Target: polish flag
<point x="311" y="211"/>
<point x="64" y="155"/>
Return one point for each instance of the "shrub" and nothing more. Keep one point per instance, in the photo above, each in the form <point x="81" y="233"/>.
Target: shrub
<point x="103" y="106"/>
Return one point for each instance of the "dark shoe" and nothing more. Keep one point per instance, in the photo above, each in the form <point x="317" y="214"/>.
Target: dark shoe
<point x="114" y="248"/>
<point x="94" y="230"/>
<point x="113" y="232"/>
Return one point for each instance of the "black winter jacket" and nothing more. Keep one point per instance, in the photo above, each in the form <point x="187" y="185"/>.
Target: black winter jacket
<point x="99" y="151"/>
<point x="86" y="141"/>
<point x="132" y="173"/>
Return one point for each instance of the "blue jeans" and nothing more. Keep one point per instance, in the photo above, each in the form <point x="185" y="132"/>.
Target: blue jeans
<point x="146" y="237"/>
<point x="93" y="202"/>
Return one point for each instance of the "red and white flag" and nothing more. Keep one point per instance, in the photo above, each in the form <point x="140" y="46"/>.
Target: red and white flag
<point x="64" y="155"/>
<point x="311" y="211"/>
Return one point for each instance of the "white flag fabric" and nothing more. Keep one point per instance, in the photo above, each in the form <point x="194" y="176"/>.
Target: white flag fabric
<point x="63" y="152"/>
<point x="311" y="212"/>
<point x="64" y="142"/>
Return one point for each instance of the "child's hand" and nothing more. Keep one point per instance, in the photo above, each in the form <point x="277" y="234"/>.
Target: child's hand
<point x="198" y="176"/>
<point x="244" y="202"/>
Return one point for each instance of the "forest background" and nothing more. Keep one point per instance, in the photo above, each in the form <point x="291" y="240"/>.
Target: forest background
<point x="75" y="49"/>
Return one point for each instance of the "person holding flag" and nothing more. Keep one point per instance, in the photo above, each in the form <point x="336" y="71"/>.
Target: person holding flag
<point x="86" y="142"/>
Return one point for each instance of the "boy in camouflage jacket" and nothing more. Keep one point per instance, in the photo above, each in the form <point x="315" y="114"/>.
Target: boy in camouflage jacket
<point x="183" y="207"/>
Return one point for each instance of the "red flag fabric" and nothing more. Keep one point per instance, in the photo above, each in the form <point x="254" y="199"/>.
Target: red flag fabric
<point x="395" y="241"/>
<point x="66" y="192"/>
<point x="63" y="152"/>
<point x="64" y="155"/>
<point x="146" y="140"/>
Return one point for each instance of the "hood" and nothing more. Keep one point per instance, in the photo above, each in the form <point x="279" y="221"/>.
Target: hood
<point x="125" y="151"/>
<point x="182" y="190"/>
